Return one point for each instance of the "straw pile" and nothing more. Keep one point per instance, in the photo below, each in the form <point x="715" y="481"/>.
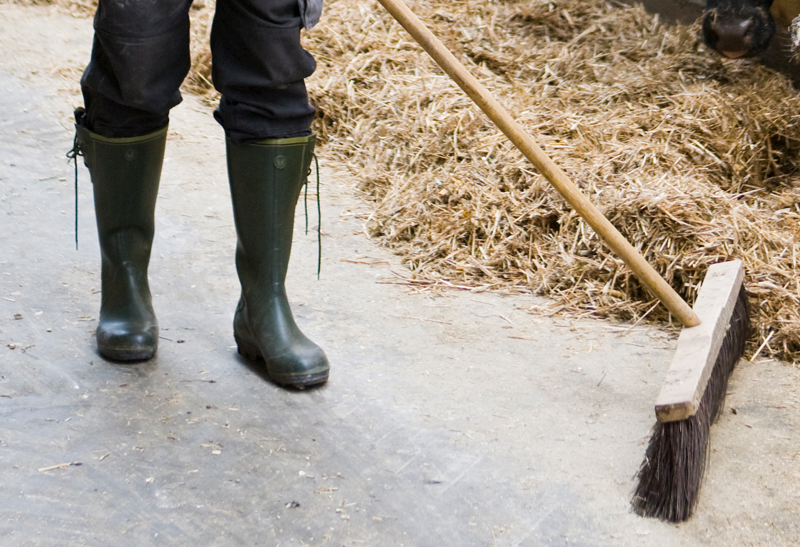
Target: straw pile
<point x="694" y="158"/>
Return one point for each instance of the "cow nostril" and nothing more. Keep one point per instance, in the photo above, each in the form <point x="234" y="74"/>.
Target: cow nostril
<point x="731" y="30"/>
<point x="731" y="37"/>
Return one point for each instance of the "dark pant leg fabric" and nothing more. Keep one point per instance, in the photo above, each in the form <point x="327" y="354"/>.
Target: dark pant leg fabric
<point x="259" y="67"/>
<point x="139" y="59"/>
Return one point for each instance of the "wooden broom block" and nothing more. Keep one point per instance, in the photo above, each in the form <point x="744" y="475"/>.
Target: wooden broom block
<point x="699" y="346"/>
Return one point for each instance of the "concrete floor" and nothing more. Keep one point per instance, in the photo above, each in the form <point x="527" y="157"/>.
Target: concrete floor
<point x="450" y="419"/>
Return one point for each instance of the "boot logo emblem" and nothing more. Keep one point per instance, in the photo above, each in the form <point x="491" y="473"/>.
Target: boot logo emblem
<point x="280" y="162"/>
<point x="130" y="153"/>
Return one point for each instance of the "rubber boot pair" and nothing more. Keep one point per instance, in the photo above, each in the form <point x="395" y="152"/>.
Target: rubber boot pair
<point x="265" y="178"/>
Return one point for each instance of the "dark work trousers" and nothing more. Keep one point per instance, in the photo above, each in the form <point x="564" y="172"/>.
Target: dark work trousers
<point x="141" y="55"/>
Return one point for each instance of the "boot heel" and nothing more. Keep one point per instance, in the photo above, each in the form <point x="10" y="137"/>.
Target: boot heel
<point x="248" y="351"/>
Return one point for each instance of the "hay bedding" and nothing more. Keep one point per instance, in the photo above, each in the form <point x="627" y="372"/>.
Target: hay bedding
<point x="694" y="158"/>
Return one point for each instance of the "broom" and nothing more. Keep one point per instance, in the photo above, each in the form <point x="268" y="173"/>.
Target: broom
<point x="692" y="397"/>
<point x="708" y="348"/>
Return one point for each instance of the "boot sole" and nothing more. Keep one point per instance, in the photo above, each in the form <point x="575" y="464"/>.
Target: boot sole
<point x="299" y="381"/>
<point x="127" y="354"/>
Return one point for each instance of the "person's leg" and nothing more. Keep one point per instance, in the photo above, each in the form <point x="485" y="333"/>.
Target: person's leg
<point x="260" y="67"/>
<point x="139" y="59"/>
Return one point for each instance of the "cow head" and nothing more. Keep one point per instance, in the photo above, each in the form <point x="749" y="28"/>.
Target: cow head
<point x="737" y="28"/>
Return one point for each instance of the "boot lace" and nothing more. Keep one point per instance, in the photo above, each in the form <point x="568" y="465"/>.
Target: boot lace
<point x="72" y="156"/>
<point x="319" y="214"/>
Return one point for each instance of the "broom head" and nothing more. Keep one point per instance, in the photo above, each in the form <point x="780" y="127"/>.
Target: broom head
<point x="692" y="397"/>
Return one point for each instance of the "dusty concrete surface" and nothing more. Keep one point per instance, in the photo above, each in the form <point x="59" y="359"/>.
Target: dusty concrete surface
<point x="452" y="419"/>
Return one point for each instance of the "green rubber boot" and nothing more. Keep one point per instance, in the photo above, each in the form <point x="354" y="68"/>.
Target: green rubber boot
<point x="266" y="178"/>
<point x="125" y="175"/>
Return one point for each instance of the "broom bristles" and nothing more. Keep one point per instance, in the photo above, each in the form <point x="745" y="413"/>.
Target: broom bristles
<point x="668" y="481"/>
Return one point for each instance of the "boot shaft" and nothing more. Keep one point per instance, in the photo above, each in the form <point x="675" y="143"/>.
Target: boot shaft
<point x="125" y="174"/>
<point x="266" y="178"/>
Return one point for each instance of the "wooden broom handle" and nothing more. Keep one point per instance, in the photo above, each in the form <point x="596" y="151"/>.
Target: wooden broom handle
<point x="547" y="167"/>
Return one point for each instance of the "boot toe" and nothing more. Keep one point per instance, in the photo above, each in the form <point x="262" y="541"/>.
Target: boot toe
<point x="120" y="342"/>
<point x="302" y="367"/>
